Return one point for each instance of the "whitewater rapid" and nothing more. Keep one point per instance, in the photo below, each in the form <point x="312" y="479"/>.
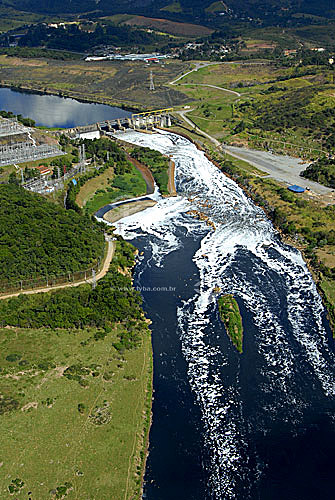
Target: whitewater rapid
<point x="275" y="288"/>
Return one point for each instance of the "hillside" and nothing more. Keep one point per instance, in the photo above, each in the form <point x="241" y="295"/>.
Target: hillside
<point x="38" y="238"/>
<point x="272" y="10"/>
<point x="75" y="390"/>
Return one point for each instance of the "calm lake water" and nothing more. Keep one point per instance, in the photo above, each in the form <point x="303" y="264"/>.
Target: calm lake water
<point x="54" y="111"/>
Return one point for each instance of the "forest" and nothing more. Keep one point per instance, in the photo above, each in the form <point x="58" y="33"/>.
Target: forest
<point x="112" y="300"/>
<point x="322" y="171"/>
<point x="39" y="238"/>
<point x="274" y="11"/>
<point x="72" y="37"/>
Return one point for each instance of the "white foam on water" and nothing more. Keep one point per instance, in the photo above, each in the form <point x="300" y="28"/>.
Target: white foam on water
<point x="241" y="228"/>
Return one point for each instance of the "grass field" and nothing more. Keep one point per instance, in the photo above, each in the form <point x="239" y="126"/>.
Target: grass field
<point x="232" y="119"/>
<point x="131" y="185"/>
<point x="91" y="186"/>
<point x="83" y="435"/>
<point x="181" y="29"/>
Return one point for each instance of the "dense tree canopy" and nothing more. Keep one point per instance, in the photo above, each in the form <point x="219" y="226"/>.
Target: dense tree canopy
<point x="322" y="171"/>
<point x="113" y="299"/>
<point x="72" y="37"/>
<point x="39" y="238"/>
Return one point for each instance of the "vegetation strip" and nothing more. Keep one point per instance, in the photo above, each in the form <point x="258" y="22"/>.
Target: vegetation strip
<point x="231" y="317"/>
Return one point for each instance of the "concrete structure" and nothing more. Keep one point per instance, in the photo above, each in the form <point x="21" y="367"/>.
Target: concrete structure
<point x="146" y="120"/>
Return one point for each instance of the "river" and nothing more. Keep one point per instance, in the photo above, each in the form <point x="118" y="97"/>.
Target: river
<point x="227" y="426"/>
<point x="55" y="111"/>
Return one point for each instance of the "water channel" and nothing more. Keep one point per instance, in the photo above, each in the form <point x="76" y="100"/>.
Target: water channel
<point x="227" y="426"/>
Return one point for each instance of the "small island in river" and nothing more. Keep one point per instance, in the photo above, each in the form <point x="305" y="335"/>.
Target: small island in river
<point x="231" y="317"/>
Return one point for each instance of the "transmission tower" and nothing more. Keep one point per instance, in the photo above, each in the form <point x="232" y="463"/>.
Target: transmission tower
<point x="152" y="86"/>
<point x="82" y="158"/>
<point x="94" y="279"/>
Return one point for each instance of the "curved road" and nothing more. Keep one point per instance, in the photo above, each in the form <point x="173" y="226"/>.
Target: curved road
<point x="182" y="114"/>
<point x="101" y="274"/>
<point x="199" y="66"/>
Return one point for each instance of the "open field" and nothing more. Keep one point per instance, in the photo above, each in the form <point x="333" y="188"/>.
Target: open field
<point x="164" y="25"/>
<point x="275" y="109"/>
<point x="226" y="74"/>
<point x="73" y="413"/>
<point x="129" y="186"/>
<point x="110" y="82"/>
<point x="91" y="186"/>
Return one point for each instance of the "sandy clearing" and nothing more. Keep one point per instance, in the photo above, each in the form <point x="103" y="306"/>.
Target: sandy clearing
<point x="127" y="209"/>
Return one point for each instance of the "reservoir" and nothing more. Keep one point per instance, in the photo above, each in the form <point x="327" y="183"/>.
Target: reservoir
<point x="55" y="111"/>
<point x="255" y="426"/>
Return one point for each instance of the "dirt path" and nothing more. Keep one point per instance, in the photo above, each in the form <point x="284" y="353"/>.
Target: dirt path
<point x="213" y="87"/>
<point x="282" y="168"/>
<point x="101" y="274"/>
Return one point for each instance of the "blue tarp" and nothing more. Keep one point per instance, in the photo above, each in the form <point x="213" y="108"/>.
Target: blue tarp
<point x="296" y="189"/>
<point x="74" y="182"/>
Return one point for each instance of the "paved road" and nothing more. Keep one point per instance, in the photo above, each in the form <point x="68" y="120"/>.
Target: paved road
<point x="101" y="274"/>
<point x="282" y="168"/>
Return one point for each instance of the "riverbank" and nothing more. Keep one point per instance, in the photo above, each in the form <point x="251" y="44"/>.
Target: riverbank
<point x="127" y="209"/>
<point x="287" y="355"/>
<point x="171" y="182"/>
<point x="108" y="82"/>
<point x="77" y="96"/>
<point x="145" y="172"/>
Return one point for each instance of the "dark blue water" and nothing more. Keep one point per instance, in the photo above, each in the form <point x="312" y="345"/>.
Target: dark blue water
<point x="286" y="455"/>
<point x="256" y="426"/>
<point x="54" y="111"/>
<point x="174" y="468"/>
